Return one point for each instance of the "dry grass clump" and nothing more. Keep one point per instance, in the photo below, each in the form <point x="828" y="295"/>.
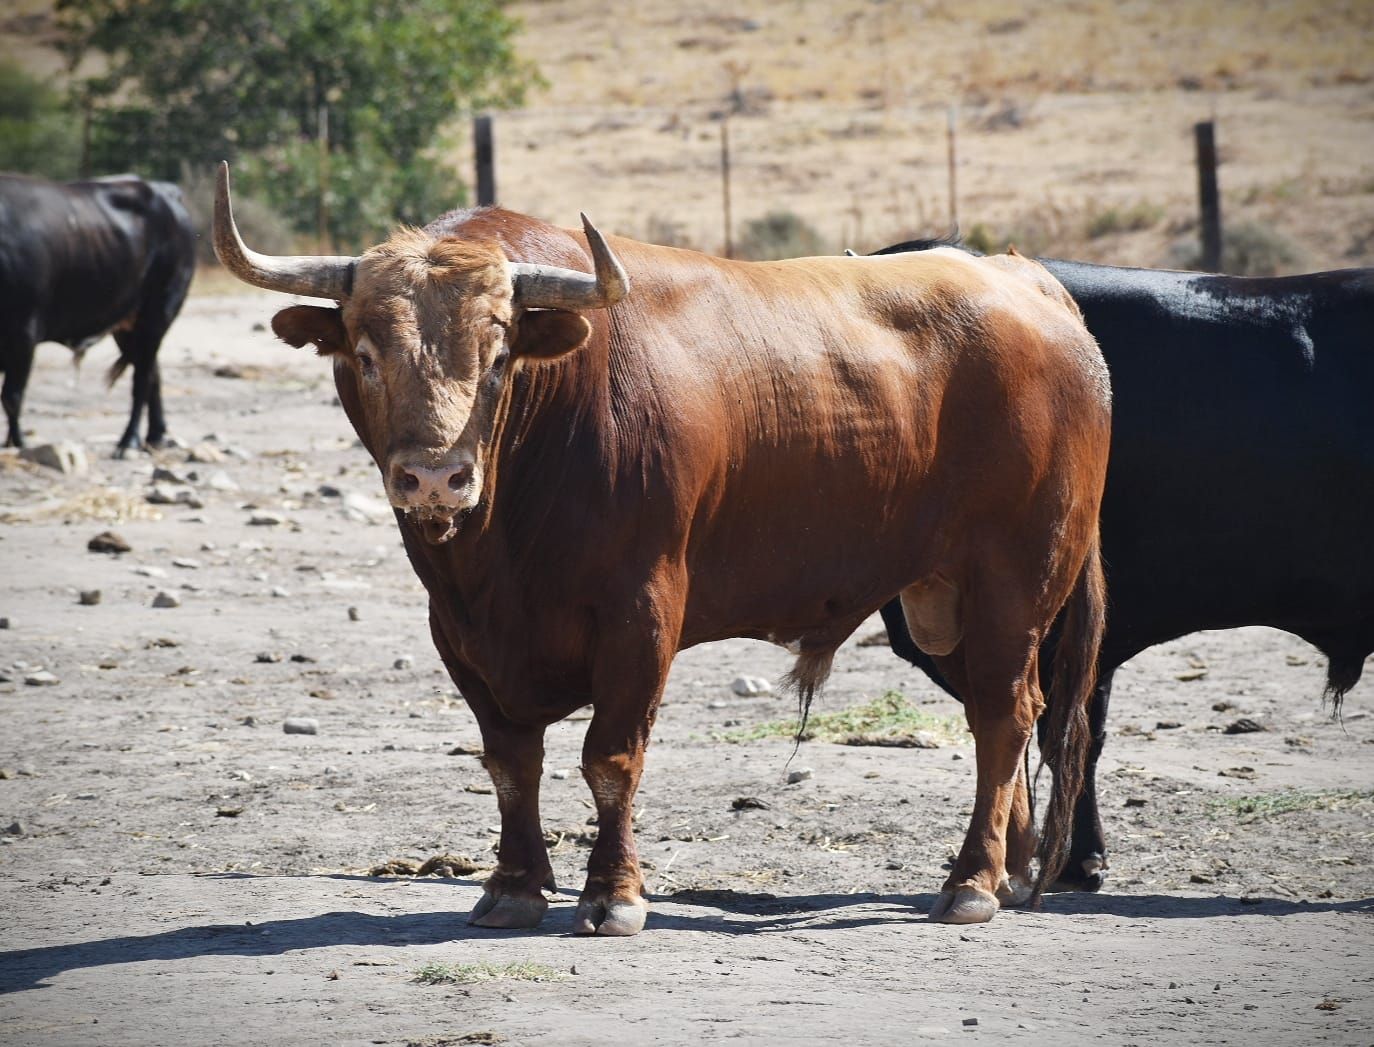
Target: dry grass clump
<point x="484" y="971"/>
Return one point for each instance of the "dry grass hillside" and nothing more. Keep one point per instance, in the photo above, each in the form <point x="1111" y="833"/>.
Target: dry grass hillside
<point x="1074" y="121"/>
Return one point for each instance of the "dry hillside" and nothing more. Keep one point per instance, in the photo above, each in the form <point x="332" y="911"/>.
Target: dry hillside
<point x="1074" y="121"/>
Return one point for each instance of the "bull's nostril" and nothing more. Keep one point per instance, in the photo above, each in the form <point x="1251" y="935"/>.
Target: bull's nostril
<point x="460" y="478"/>
<point x="407" y="483"/>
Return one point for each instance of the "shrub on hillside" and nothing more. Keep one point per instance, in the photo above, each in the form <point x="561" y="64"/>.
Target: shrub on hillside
<point x="779" y="234"/>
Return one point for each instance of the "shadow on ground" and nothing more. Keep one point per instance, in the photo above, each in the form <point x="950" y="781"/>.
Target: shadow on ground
<point x="721" y="912"/>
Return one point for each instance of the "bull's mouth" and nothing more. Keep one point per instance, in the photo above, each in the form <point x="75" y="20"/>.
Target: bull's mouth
<point x="438" y="523"/>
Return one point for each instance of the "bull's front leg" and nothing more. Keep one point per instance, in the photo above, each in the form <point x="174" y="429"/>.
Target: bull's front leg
<point x="629" y="682"/>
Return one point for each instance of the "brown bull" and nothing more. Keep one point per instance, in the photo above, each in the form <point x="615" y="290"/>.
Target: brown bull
<point x="589" y="479"/>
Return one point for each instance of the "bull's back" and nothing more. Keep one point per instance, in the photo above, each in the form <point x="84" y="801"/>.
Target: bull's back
<point x="862" y="405"/>
<point x="74" y="256"/>
<point x="1242" y="473"/>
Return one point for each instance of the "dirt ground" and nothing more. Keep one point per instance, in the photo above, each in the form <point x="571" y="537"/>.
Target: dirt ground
<point x="175" y="868"/>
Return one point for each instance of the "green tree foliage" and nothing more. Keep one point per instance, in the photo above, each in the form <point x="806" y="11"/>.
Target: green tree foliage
<point x="38" y="134"/>
<point x="196" y="81"/>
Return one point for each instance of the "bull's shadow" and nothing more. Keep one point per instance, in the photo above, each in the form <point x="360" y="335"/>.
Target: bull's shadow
<point x="720" y="912"/>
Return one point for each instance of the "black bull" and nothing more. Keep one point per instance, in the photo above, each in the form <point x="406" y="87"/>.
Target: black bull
<point x="83" y="259"/>
<point x="1240" y="489"/>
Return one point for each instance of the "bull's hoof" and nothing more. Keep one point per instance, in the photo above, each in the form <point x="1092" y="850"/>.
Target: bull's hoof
<point x="508" y="911"/>
<point x="612" y="917"/>
<point x="1014" y="890"/>
<point x="964" y="905"/>
<point x="1088" y="875"/>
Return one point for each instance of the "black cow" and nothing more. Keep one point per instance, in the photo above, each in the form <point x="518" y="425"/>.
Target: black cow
<point x="80" y="260"/>
<point x="1241" y="484"/>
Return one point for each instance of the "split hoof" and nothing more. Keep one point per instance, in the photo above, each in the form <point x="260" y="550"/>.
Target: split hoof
<point x="1088" y="875"/>
<point x="614" y="917"/>
<point x="965" y="905"/>
<point x="1014" y="890"/>
<point x="508" y="911"/>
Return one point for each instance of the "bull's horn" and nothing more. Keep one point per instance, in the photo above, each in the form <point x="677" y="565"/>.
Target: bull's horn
<point x="549" y="287"/>
<point x="316" y="276"/>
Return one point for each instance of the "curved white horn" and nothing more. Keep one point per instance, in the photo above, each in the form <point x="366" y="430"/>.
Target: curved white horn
<point x="317" y="276"/>
<point x="552" y="287"/>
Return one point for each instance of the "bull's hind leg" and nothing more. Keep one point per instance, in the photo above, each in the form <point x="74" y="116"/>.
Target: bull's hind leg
<point x="992" y="670"/>
<point x="16" y="353"/>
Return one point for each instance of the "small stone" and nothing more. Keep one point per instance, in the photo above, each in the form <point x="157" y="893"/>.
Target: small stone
<point x="1167" y="725"/>
<point x="279" y="593"/>
<point x="801" y="774"/>
<point x="164" y="494"/>
<point x="1201" y="878"/>
<point x="265" y="520"/>
<point x="150" y="572"/>
<point x="970" y="1022"/>
<point x="751" y="686"/>
<point x="108" y="542"/>
<point x="166" y="599"/>
<point x="228" y="812"/>
<point x="186" y="563"/>
<point x="404" y="662"/>
<point x="16" y="828"/>
<point x="205" y="454"/>
<point x="4" y="623"/>
<point x="268" y="657"/>
<point x="65" y="457"/>
<point x="354" y="615"/>
<point x="301" y="725"/>
<point x="362" y="509"/>
<point x="329" y="491"/>
<point x="716" y="705"/>
<point x="161" y="474"/>
<point x="749" y="803"/>
<point x="219" y="480"/>
<point x="1244" y="725"/>
<point x="41" y="678"/>
<point x="1136" y="801"/>
<point x="1244" y="773"/>
<point x="88" y="597"/>
<point x="1173" y="985"/>
<point x="1222" y="706"/>
<point x="560" y="774"/>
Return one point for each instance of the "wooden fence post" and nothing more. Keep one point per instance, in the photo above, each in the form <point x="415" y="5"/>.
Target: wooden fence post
<point x="1209" y="200"/>
<point x="951" y="134"/>
<point x="322" y="138"/>
<point x="725" y="186"/>
<point x="485" y="158"/>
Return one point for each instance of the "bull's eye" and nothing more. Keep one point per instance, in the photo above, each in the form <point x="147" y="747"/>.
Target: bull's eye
<point x="366" y="364"/>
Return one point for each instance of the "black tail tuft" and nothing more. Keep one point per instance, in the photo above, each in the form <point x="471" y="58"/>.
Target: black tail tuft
<point x="1068" y="735"/>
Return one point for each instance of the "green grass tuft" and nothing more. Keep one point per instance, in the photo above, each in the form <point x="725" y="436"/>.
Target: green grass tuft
<point x="890" y="717"/>
<point x="1287" y="801"/>
<point x="468" y="973"/>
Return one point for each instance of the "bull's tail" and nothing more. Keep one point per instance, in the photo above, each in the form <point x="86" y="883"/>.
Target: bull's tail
<point x="1068" y="736"/>
<point x="116" y="370"/>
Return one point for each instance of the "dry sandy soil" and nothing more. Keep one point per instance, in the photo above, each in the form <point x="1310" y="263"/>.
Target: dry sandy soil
<point x="177" y="869"/>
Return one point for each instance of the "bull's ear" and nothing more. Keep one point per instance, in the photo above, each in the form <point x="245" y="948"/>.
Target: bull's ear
<point x="545" y="334"/>
<point x="303" y="324"/>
